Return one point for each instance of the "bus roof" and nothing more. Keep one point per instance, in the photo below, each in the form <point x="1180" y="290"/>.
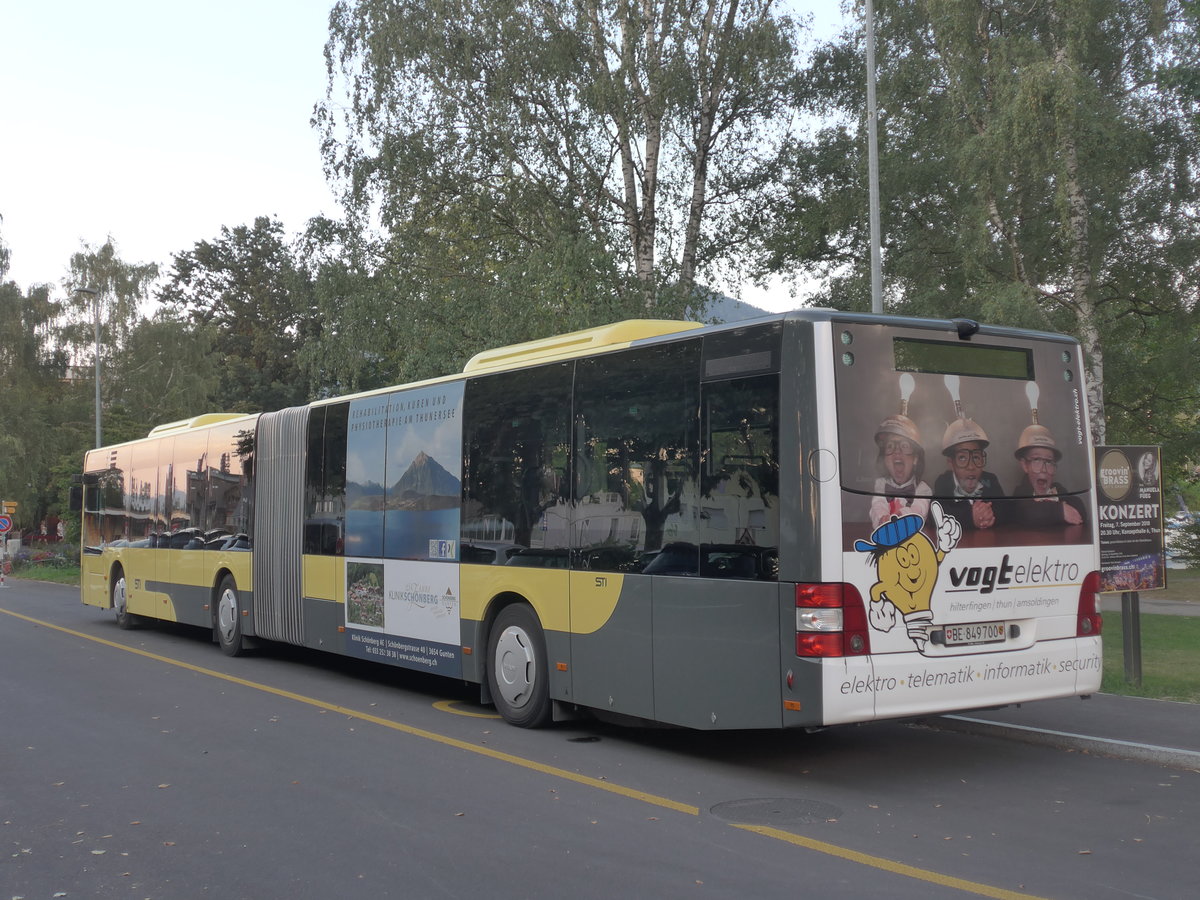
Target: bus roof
<point x="194" y="422"/>
<point x="616" y="336"/>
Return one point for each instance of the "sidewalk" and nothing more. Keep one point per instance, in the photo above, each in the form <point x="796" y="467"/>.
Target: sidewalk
<point x="1156" y="731"/>
<point x="1162" y="732"/>
<point x="1152" y="603"/>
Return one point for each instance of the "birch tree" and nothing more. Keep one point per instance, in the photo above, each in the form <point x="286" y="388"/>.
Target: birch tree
<point x="645" y="129"/>
<point x="1034" y="171"/>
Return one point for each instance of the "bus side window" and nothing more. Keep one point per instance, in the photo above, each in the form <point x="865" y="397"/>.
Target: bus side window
<point x="325" y="481"/>
<point x="739" y="504"/>
<point x="637" y="448"/>
<point x="515" y="459"/>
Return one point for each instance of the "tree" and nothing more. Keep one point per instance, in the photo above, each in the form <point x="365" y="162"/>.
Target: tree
<point x="1034" y="173"/>
<point x="122" y="289"/>
<point x="46" y="416"/>
<point x="168" y="371"/>
<point x="633" y="134"/>
<point x="247" y="290"/>
<point x="5" y="257"/>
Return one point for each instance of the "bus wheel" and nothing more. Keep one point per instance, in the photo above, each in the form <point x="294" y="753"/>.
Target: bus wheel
<point x="125" y="619"/>
<point x="517" y="672"/>
<point x="229" y="618"/>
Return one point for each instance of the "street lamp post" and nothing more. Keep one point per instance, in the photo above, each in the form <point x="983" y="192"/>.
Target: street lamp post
<point x="95" y="294"/>
<point x="873" y="166"/>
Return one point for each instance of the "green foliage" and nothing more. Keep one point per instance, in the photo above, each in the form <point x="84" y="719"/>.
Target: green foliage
<point x="169" y="370"/>
<point x="151" y="368"/>
<point x="1033" y="173"/>
<point x="121" y="288"/>
<point x="5" y="256"/>
<point x="550" y="153"/>
<point x="1185" y="543"/>
<point x="45" y="415"/>
<point x="246" y="296"/>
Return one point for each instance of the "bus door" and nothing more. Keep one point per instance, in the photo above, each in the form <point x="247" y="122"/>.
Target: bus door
<point x="716" y="594"/>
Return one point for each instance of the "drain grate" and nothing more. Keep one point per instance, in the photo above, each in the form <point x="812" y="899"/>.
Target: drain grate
<point x="775" y="811"/>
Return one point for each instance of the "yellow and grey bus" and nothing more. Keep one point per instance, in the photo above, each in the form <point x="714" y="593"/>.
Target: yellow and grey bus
<point x="795" y="521"/>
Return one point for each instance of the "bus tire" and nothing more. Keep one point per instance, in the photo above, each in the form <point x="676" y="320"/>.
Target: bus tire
<point x="518" y="676"/>
<point x="227" y="618"/>
<point x="126" y="620"/>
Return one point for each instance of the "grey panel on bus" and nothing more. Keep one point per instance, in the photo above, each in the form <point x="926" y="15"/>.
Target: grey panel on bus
<point x="612" y="669"/>
<point x="322" y="619"/>
<point x="716" y="652"/>
<point x="807" y="675"/>
<point x="799" y="525"/>
<point x="279" y="524"/>
<point x="191" y="602"/>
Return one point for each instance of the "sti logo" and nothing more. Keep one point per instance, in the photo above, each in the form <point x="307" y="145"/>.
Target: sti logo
<point x="443" y="549"/>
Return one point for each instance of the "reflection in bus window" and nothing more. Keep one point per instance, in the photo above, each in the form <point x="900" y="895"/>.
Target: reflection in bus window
<point x="636" y="454"/>
<point x="114" y="523"/>
<point x="515" y="457"/>
<point x="739" y="506"/>
<point x="230" y="449"/>
<point x="143" y="493"/>
<point x="325" y="481"/>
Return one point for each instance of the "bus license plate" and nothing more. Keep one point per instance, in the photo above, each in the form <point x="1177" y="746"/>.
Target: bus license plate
<point x="975" y="633"/>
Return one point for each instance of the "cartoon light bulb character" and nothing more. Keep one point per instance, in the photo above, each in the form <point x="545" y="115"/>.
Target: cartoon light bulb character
<point x="906" y="564"/>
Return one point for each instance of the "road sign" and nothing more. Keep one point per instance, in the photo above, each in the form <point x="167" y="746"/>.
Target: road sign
<point x="5" y="524"/>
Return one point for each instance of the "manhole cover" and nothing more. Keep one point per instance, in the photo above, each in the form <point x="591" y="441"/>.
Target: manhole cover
<point x="777" y="811"/>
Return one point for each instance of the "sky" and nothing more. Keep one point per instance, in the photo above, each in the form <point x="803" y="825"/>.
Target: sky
<point x="156" y="123"/>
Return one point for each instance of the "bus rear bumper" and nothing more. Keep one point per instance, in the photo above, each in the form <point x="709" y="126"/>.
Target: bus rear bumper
<point x="901" y="685"/>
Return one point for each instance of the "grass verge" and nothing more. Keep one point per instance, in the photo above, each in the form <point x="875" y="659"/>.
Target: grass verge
<point x="59" y="574"/>
<point x="1170" y="658"/>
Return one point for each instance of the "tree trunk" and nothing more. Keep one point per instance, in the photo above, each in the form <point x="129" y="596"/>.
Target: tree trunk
<point x="1083" y="283"/>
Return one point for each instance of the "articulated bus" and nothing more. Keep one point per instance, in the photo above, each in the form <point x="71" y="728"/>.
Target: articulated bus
<point x="797" y="521"/>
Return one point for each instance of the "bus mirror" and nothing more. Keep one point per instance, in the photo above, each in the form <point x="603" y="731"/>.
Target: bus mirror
<point x="76" y="497"/>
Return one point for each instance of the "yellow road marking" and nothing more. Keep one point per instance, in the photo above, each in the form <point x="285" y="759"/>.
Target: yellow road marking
<point x="451" y="706"/>
<point x="554" y="771"/>
<point x="878" y="862"/>
<point x="845" y="853"/>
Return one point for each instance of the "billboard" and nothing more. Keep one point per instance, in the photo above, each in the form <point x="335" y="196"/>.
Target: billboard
<point x="1129" y="507"/>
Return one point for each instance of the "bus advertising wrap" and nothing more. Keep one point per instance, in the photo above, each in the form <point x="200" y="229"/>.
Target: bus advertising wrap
<point x="967" y="517"/>
<point x="403" y="501"/>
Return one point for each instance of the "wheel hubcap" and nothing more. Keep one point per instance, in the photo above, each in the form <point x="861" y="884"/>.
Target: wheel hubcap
<point x="227" y="612"/>
<point x="515" y="666"/>
<point x="119" y="597"/>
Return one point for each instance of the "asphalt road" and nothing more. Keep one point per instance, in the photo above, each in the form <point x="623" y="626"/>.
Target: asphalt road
<point x="147" y="764"/>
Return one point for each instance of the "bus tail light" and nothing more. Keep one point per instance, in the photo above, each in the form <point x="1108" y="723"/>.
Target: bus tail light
<point x="1089" y="622"/>
<point x="830" y="621"/>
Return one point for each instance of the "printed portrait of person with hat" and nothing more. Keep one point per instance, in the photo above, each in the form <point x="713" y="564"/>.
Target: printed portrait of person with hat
<point x="966" y="489"/>
<point x="1045" y="503"/>
<point x="899" y="489"/>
